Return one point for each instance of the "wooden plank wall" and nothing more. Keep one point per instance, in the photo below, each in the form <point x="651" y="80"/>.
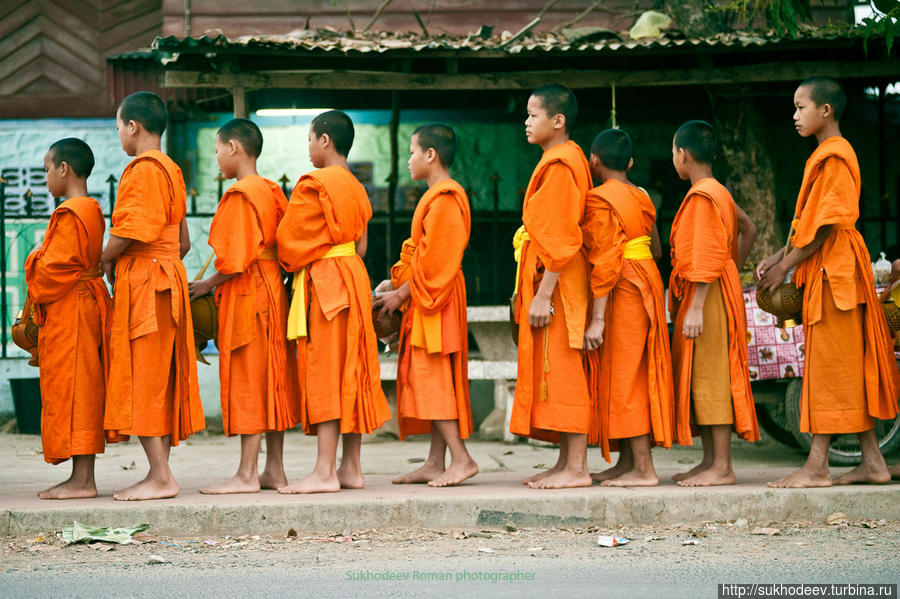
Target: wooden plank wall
<point x="53" y="53"/>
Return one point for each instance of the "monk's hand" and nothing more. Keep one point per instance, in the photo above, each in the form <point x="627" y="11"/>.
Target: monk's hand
<point x="389" y="302"/>
<point x="109" y="269"/>
<point x="199" y="288"/>
<point x="773" y="277"/>
<point x="540" y="310"/>
<point x="693" y="322"/>
<point x="593" y="337"/>
<point x="383" y="286"/>
<point x="766" y="265"/>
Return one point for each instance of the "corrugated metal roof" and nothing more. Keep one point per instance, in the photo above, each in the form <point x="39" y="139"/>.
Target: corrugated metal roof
<point x="585" y="39"/>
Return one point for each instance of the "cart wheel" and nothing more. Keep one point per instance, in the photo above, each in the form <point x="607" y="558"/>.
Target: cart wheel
<point x="844" y="449"/>
<point x="773" y="419"/>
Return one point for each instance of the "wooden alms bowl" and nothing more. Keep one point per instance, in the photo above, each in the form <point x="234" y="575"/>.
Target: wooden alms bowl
<point x="25" y="331"/>
<point x="205" y="315"/>
<point x="785" y="302"/>
<point x="388" y="325"/>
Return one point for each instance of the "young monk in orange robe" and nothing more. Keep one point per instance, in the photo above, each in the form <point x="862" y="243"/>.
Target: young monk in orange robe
<point x="634" y="399"/>
<point x="152" y="388"/>
<point x="72" y="309"/>
<point x="257" y="371"/>
<point x="551" y="401"/>
<point x="850" y="377"/>
<point x="322" y="239"/>
<point x="432" y="373"/>
<point x="711" y="238"/>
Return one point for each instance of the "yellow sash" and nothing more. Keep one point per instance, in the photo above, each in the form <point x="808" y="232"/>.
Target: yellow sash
<point x="519" y="240"/>
<point x="638" y="248"/>
<point x="296" y="324"/>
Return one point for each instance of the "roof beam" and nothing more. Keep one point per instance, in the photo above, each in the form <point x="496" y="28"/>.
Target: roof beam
<point x="575" y="79"/>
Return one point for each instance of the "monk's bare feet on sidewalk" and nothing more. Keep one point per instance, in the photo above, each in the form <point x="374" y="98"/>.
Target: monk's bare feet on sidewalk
<point x="69" y="489"/>
<point x="563" y="479"/>
<point x="608" y="474"/>
<point x="424" y="474"/>
<point x="455" y="474"/>
<point x="350" y="478"/>
<point x="634" y="478"/>
<point x="802" y="478"/>
<point x="868" y="472"/>
<point x="235" y="484"/>
<point x="711" y="477"/>
<point x="272" y="480"/>
<point x="149" y="488"/>
<point x="314" y="483"/>
<point x="542" y="475"/>
<point x="701" y="467"/>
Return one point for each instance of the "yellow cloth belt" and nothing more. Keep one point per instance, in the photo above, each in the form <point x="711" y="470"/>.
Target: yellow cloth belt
<point x="519" y="240"/>
<point x="269" y="254"/>
<point x="296" y="324"/>
<point x="638" y="248"/>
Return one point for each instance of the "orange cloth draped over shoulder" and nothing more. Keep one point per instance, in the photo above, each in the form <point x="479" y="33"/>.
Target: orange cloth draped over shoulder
<point x="337" y="360"/>
<point x="631" y="391"/>
<point x="257" y="379"/>
<point x="551" y="392"/>
<point x="152" y="387"/>
<point x="432" y="371"/>
<point x="840" y="395"/>
<point x="704" y="243"/>
<point x="72" y="308"/>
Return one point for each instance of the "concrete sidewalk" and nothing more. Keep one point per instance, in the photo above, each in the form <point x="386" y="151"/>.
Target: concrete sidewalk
<point x="494" y="498"/>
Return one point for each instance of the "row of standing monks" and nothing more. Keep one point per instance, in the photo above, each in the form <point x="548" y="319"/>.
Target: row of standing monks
<point x="594" y="365"/>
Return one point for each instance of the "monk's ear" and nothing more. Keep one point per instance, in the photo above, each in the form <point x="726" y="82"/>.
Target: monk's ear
<point x="430" y="155"/>
<point x="559" y="121"/>
<point x="133" y="127"/>
<point x="232" y="147"/>
<point x="827" y="110"/>
<point x="325" y="140"/>
<point x="63" y="169"/>
<point x="630" y="164"/>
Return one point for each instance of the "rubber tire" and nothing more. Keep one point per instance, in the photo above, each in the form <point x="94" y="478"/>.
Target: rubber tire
<point x="772" y="418"/>
<point x="889" y="442"/>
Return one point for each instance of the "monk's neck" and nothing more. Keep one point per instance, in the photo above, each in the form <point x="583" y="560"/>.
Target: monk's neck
<point x="148" y="143"/>
<point x="557" y="140"/>
<point x="700" y="172"/>
<point x="436" y="177"/>
<point x="832" y="129"/>
<point x="246" y="170"/>
<point x="336" y="160"/>
<point x="76" y="189"/>
<point x="619" y="176"/>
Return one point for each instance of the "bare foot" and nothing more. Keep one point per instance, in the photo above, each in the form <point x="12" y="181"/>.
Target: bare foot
<point x="866" y="472"/>
<point x="563" y="479"/>
<point x="268" y="480"/>
<point x="350" y="479"/>
<point x="610" y="473"/>
<point x="633" y="478"/>
<point x="69" y="489"/>
<point x="894" y="471"/>
<point x="148" y="488"/>
<point x="692" y="472"/>
<point x="425" y="474"/>
<point x="235" y="484"/>
<point x="710" y="477"/>
<point x="313" y="484"/>
<point x="802" y="478"/>
<point x="455" y="474"/>
<point x="542" y="475"/>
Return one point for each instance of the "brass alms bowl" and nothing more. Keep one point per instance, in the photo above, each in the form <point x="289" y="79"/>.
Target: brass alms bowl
<point x="785" y="302"/>
<point x="205" y="315"/>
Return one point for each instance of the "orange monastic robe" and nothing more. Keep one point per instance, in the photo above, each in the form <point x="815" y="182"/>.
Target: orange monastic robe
<point x="72" y="309"/>
<point x="704" y="242"/>
<point x="257" y="371"/>
<point x="152" y="387"/>
<point x="337" y="360"/>
<point x="632" y="392"/>
<point x="551" y="391"/>
<point x="850" y="376"/>
<point x="432" y="371"/>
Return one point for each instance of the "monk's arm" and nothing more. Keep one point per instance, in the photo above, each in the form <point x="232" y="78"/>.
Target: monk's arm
<point x="655" y="243"/>
<point x="541" y="306"/>
<point x="777" y="273"/>
<point x="746" y="236"/>
<point x="114" y="248"/>
<point x="184" y="238"/>
<point x="693" y="319"/>
<point x="593" y="336"/>
<point x="363" y="244"/>
<point x="200" y="288"/>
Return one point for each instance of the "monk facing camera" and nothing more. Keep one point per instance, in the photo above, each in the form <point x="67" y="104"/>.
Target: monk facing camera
<point x="427" y="284"/>
<point x="72" y="309"/>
